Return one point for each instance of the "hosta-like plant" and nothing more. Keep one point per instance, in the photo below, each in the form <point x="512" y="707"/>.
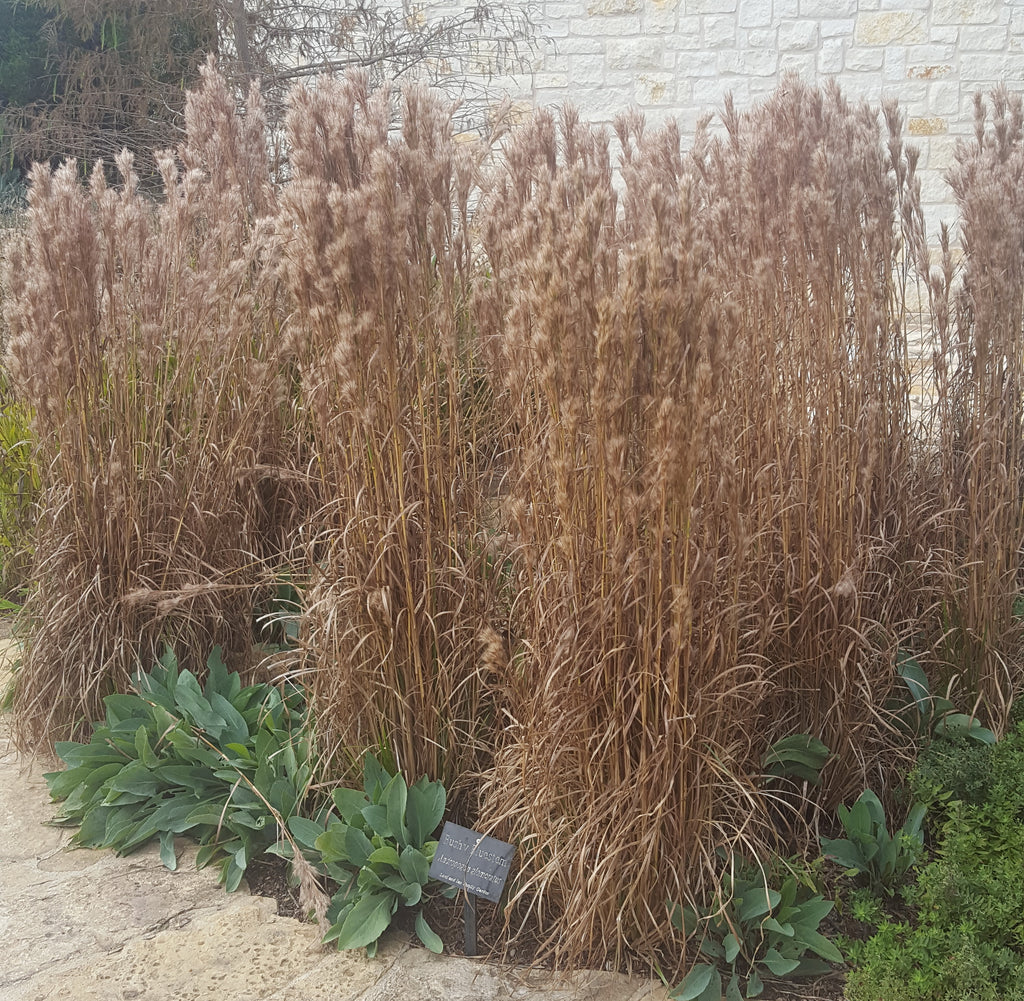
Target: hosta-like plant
<point x="750" y="929"/>
<point x="869" y="849"/>
<point x="378" y="848"/>
<point x="225" y="764"/>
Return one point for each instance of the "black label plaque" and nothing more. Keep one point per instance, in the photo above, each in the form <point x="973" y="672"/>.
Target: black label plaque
<point x="472" y="861"/>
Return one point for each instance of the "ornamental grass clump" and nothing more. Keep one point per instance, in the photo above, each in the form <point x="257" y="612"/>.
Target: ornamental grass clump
<point x="147" y="340"/>
<point x="978" y="370"/>
<point x="399" y="632"/>
<point x="709" y="478"/>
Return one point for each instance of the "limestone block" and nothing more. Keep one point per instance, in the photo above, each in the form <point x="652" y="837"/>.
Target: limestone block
<point x="804" y="64"/>
<point x="828" y="8"/>
<point x="889" y="27"/>
<point x="613" y="7"/>
<point x="761" y="38"/>
<point x="719" y="31"/>
<point x="634" y="54"/>
<point x="709" y="95"/>
<point x="864" y="60"/>
<point x="659" y="17"/>
<point x="988" y="68"/>
<point x="752" y="62"/>
<point x="550" y="81"/>
<point x="983" y="37"/>
<point x="655" y="88"/>
<point x="711" y="6"/>
<point x="798" y="36"/>
<point x="894" y="63"/>
<point x="929" y="72"/>
<point x="697" y="64"/>
<point x="613" y="25"/>
<point x="581" y="45"/>
<point x="754" y="13"/>
<point x="587" y="70"/>
<point x="830" y="56"/>
<point x="931" y="126"/>
<point x="965" y="11"/>
<point x="946" y="99"/>
<point x="687" y="33"/>
<point x="836" y="27"/>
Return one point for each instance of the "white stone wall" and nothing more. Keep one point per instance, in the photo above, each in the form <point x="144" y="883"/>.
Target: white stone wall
<point x="680" y="57"/>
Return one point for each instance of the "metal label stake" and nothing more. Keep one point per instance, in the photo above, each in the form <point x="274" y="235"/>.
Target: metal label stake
<point x="469" y="920"/>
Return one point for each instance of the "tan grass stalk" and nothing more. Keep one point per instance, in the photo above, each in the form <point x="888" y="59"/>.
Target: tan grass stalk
<point x="378" y="261"/>
<point x="146" y="338"/>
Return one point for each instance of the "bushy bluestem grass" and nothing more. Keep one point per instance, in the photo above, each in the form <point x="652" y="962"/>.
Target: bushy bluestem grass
<point x="590" y="495"/>
<point x="146" y="338"/>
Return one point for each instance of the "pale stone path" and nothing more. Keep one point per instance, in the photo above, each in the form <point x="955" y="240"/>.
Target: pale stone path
<point x="89" y="926"/>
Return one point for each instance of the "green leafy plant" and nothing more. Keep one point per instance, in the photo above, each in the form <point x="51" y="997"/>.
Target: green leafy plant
<point x="928" y="715"/>
<point x="966" y="928"/>
<point x="378" y="848"/>
<point x="799" y="756"/>
<point x="869" y="849"/>
<point x="750" y="928"/>
<point x="225" y="764"/>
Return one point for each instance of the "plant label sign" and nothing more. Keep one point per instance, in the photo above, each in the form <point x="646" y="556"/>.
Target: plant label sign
<point x="472" y="861"/>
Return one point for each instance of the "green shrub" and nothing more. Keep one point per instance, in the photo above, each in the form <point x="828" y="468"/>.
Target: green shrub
<point x="967" y="938"/>
<point x="378" y="849"/>
<point x="224" y="764"/>
<point x="957" y="768"/>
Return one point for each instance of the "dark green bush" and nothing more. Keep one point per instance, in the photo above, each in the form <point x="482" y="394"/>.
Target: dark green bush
<point x="967" y="938"/>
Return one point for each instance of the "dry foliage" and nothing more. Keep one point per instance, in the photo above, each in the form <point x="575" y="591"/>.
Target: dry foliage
<point x="594" y="491"/>
<point x="146" y="337"/>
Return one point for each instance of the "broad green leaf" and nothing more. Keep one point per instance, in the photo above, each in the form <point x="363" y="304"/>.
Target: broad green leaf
<point x="814" y="911"/>
<point x="778" y="965"/>
<point x="810" y="968"/>
<point x="822" y="946"/>
<point x="134" y="778"/>
<point x="385" y="855"/>
<point x="236" y="730"/>
<point x="959" y="724"/>
<point x="376" y="816"/>
<point x="732" y="948"/>
<point x="375" y="778"/>
<point x="395" y="797"/>
<point x="305" y="831"/>
<point x="367" y="921"/>
<point x="702" y="983"/>
<point x="754" y="985"/>
<point x="331" y="844"/>
<point x="758" y="901"/>
<point x="413" y="865"/>
<point x="844" y="853"/>
<point x="167" y="853"/>
<point x="357" y="846"/>
<point x="732" y="991"/>
<point x="424" y="810"/>
<point x="427" y="935"/>
<point x="349" y="803"/>
<point x="232" y="874"/>
<point x="786" y="930"/>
